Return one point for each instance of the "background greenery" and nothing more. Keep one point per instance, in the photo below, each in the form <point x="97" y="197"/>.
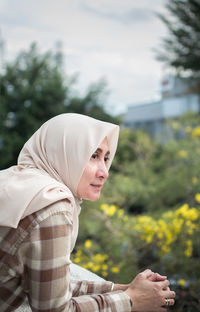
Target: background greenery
<point x="149" y="212"/>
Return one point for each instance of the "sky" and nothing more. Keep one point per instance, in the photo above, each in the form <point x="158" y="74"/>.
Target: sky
<point x="101" y="39"/>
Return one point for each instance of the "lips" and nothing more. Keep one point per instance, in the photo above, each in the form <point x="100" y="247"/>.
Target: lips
<point x="97" y="186"/>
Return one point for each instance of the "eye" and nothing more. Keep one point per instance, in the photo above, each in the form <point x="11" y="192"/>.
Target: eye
<point x="106" y="159"/>
<point x="94" y="156"/>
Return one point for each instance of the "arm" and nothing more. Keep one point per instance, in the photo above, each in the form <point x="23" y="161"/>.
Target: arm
<point x="47" y="276"/>
<point x="85" y="287"/>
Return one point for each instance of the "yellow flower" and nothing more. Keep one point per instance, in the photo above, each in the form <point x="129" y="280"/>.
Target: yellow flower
<point x="144" y="219"/>
<point x="177" y="224"/>
<point x="95" y="268"/>
<point x="160" y="235"/>
<point x="99" y="258"/>
<point x="182" y="210"/>
<point x="111" y="210"/>
<point x="104" y="274"/>
<point x="162" y="225"/>
<point x="115" y="270"/>
<point x="194" y="180"/>
<point x="169" y="238"/>
<point x="104" y="207"/>
<point x="77" y="260"/>
<point x="79" y="253"/>
<point x="192" y="214"/>
<point x="88" y="243"/>
<point x="181" y="282"/>
<point x="104" y="267"/>
<point x="90" y="265"/>
<point x="196" y="132"/>
<point x="165" y="249"/>
<point x="197" y="198"/>
<point x="189" y="248"/>
<point x="149" y="239"/>
<point x="183" y="154"/>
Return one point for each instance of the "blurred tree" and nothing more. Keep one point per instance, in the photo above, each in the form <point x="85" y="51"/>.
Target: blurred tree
<point x="181" y="48"/>
<point x="33" y="89"/>
<point x="92" y="104"/>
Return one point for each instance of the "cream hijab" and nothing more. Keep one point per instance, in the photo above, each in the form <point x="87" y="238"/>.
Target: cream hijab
<point x="51" y="164"/>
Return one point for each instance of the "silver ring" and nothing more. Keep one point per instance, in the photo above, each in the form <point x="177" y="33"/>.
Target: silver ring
<point x="167" y="302"/>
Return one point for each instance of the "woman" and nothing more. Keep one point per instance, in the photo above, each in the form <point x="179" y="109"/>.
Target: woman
<point x="65" y="161"/>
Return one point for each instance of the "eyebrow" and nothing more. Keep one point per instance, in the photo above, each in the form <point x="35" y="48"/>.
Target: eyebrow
<point x="100" y="151"/>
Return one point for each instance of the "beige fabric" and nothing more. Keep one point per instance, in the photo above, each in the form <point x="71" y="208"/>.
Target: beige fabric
<point x="50" y="165"/>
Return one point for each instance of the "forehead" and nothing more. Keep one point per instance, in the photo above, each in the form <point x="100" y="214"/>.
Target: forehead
<point x="104" y="145"/>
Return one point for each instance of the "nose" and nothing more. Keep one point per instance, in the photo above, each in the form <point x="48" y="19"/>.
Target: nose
<point x="102" y="171"/>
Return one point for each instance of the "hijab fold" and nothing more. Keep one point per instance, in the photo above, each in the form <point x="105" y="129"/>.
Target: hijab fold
<point x="50" y="166"/>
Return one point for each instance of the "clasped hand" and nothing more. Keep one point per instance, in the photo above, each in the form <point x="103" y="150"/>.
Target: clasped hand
<point x="150" y="292"/>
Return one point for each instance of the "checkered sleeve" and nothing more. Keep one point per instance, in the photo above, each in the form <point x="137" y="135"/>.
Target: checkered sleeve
<point x="83" y="287"/>
<point x="46" y="256"/>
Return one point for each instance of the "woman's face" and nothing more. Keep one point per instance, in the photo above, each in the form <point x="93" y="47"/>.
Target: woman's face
<point x="95" y="173"/>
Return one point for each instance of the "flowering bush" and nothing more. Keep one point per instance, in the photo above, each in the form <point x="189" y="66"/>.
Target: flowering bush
<point x="170" y="234"/>
<point x="149" y="213"/>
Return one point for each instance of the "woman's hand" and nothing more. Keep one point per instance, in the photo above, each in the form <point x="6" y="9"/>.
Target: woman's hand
<point x="154" y="277"/>
<point x="149" y="291"/>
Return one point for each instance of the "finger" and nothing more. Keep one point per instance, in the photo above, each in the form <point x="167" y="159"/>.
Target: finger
<point x="164" y="284"/>
<point x="169" y="293"/>
<point x="172" y="301"/>
<point x="146" y="273"/>
<point x="163" y="277"/>
<point x="152" y="277"/>
<point x="166" y="289"/>
<point x="159" y="277"/>
<point x="155" y="277"/>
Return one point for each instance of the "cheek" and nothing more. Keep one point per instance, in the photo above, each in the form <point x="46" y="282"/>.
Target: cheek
<point x="88" y="173"/>
<point x="87" y="178"/>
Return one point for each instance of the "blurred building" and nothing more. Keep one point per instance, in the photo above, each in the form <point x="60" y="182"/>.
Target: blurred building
<point x="179" y="96"/>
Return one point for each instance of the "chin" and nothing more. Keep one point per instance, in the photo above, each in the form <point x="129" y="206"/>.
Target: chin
<point x="92" y="197"/>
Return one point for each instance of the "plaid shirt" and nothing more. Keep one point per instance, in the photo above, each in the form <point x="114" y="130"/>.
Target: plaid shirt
<point x="35" y="263"/>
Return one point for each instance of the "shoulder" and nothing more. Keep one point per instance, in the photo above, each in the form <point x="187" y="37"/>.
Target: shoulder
<point x="56" y="219"/>
<point x="60" y="208"/>
<point x="60" y="212"/>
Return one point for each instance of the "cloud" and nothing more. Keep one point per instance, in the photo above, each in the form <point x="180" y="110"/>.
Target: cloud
<point x="107" y="38"/>
<point x="126" y="17"/>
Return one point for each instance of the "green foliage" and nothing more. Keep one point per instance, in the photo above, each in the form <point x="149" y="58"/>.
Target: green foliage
<point x="149" y="176"/>
<point x="182" y="45"/>
<point x="149" y="214"/>
<point x="92" y="103"/>
<point x="32" y="91"/>
<point x="34" y="88"/>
